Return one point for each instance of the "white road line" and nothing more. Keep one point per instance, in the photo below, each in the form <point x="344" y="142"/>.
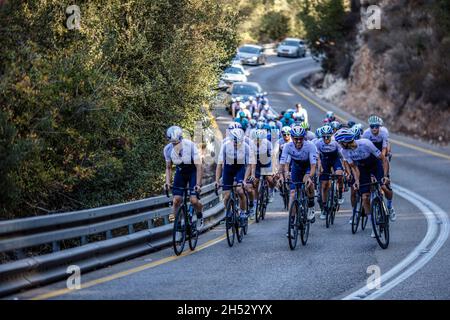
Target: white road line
<point x="437" y="234"/>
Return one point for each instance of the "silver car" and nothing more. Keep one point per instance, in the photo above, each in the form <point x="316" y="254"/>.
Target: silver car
<point x="252" y="54"/>
<point x="291" y="47"/>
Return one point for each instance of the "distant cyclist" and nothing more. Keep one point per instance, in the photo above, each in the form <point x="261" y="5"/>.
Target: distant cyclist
<point x="184" y="154"/>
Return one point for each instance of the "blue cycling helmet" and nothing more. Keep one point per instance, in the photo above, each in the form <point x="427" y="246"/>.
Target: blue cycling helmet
<point x="336" y="125"/>
<point x="357" y="131"/>
<point x="319" y="132"/>
<point x="344" y="135"/>
<point x="263" y="102"/>
<point x="234" y="125"/>
<point x="297" y="131"/>
<point x="174" y="134"/>
<point x="327" y="130"/>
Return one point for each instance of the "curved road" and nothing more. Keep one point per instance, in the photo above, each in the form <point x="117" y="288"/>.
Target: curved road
<point x="333" y="264"/>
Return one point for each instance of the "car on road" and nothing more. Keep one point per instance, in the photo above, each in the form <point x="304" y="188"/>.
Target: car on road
<point x="291" y="47"/>
<point x="234" y="73"/>
<point x="243" y="90"/>
<point x="252" y="54"/>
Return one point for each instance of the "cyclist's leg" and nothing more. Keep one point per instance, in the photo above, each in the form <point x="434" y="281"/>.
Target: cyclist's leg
<point x="179" y="181"/>
<point x="240" y="175"/>
<point x="339" y="170"/>
<point x="228" y="175"/>
<point x="325" y="181"/>
<point x="365" y="178"/>
<point x="193" y="197"/>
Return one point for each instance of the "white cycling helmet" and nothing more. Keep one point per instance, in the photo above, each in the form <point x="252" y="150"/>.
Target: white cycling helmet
<point x="259" y="134"/>
<point x="286" y="131"/>
<point x="237" y="135"/>
<point x="174" y="134"/>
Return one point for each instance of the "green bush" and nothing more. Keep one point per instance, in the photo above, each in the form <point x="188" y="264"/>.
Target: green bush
<point x="83" y="112"/>
<point x="274" y="26"/>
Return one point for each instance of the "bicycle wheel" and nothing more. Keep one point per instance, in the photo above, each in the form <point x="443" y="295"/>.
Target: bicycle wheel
<point x="193" y="232"/>
<point x="364" y="218"/>
<point x="335" y="204"/>
<point x="238" y="226"/>
<point x="286" y="192"/>
<point x="179" y="231"/>
<point x="329" y="209"/>
<point x="304" y="223"/>
<point x="259" y="202"/>
<point x="245" y="226"/>
<point x="266" y="200"/>
<point x="380" y="223"/>
<point x="356" y="216"/>
<point x="230" y="223"/>
<point x="293" y="225"/>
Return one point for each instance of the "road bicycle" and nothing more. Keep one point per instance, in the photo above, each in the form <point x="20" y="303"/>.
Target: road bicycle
<point x="263" y="199"/>
<point x="234" y="226"/>
<point x="379" y="214"/>
<point x="298" y="216"/>
<point x="185" y="224"/>
<point x="332" y="204"/>
<point x="359" y="214"/>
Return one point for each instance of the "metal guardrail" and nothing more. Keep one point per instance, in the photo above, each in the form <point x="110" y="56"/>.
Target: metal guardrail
<point x="79" y="227"/>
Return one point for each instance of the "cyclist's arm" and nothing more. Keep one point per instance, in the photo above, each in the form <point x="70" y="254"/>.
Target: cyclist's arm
<point x="199" y="174"/>
<point x="168" y="172"/>
<point x="355" y="171"/>
<point x="218" y="172"/>
<point x="384" y="160"/>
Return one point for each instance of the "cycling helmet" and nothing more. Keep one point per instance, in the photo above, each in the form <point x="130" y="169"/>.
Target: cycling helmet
<point x="287" y="115"/>
<point x="336" y="125"/>
<point x="256" y="115"/>
<point x="263" y="102"/>
<point x="252" y="123"/>
<point x="344" y="135"/>
<point x="319" y="132"/>
<point x="375" y="120"/>
<point x="234" y="125"/>
<point x="238" y="99"/>
<point x="305" y="125"/>
<point x="259" y="134"/>
<point x="291" y="111"/>
<point x="326" y="121"/>
<point x="237" y="135"/>
<point x="260" y="124"/>
<point x="266" y="107"/>
<point x="286" y="131"/>
<point x="174" y="134"/>
<point x="261" y="118"/>
<point x="350" y="124"/>
<point x="357" y="131"/>
<point x="327" y="130"/>
<point x="330" y="115"/>
<point x="250" y="98"/>
<point x="298" y="131"/>
<point x="242" y="114"/>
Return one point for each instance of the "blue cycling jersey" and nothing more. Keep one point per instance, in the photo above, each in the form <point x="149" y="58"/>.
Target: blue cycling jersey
<point x="380" y="140"/>
<point x="307" y="153"/>
<point x="364" y="154"/>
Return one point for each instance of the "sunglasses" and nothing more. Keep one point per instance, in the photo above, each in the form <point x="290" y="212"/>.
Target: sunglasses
<point x="298" y="139"/>
<point x="346" y="144"/>
<point x="374" y="126"/>
<point x="327" y="137"/>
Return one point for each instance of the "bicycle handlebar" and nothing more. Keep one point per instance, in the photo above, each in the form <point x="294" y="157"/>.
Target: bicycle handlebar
<point x="182" y="189"/>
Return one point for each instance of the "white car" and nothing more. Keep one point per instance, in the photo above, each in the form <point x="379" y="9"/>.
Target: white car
<point x="232" y="74"/>
<point x="291" y="47"/>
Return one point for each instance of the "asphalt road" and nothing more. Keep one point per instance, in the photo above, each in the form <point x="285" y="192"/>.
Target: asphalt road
<point x="332" y="265"/>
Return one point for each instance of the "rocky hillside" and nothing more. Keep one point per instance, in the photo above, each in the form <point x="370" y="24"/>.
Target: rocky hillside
<point x="401" y="72"/>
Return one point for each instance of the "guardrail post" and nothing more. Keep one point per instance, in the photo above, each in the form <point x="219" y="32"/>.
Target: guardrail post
<point x="130" y="229"/>
<point x="84" y="240"/>
<point x="166" y="220"/>
<point x="19" y="254"/>
<point x="108" y="234"/>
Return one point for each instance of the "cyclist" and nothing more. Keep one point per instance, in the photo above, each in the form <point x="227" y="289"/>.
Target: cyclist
<point x="236" y="107"/>
<point x="184" y="154"/>
<point x="251" y="105"/>
<point x="329" y="159"/>
<point x="301" y="111"/>
<point x="264" y="151"/>
<point x="379" y="136"/>
<point x="303" y="155"/>
<point x="364" y="160"/>
<point x="330" y="117"/>
<point x="287" y="119"/>
<point x="235" y="162"/>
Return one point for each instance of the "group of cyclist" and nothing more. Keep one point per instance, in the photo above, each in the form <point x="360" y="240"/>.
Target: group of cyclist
<point x="280" y="148"/>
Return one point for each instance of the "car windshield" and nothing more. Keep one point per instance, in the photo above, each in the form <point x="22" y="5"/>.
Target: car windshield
<point x="248" y="49"/>
<point x="244" y="89"/>
<point x="234" y="70"/>
<point x="290" y="43"/>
